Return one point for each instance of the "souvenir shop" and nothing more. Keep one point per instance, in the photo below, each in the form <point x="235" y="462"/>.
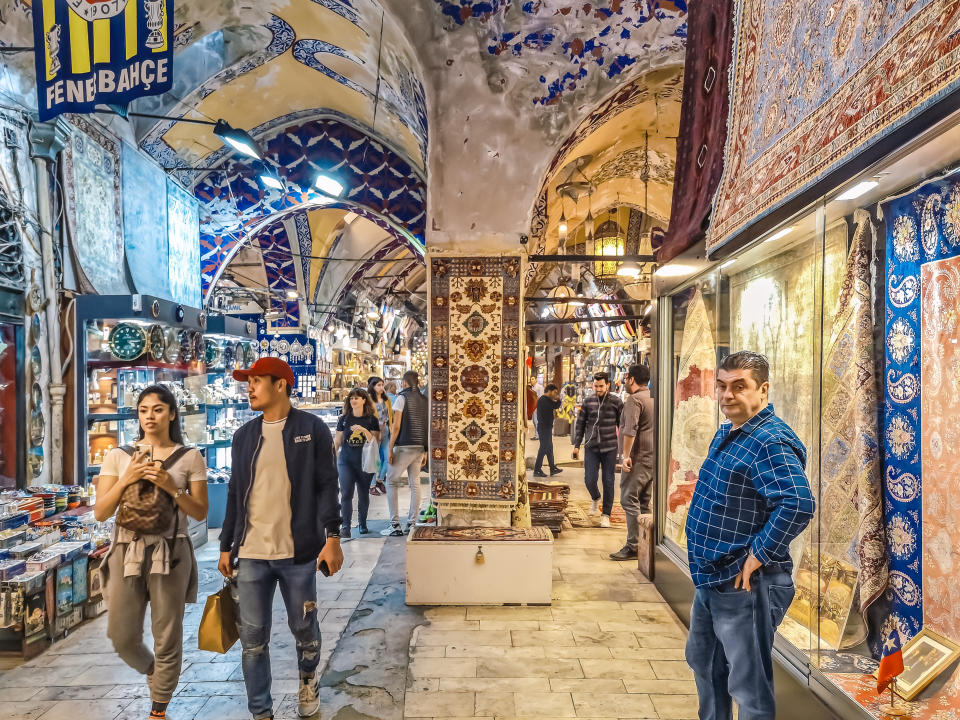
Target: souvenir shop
<point x="853" y="299"/>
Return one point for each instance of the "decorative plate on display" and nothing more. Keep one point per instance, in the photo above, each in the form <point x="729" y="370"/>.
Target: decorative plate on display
<point x="283" y="347"/>
<point x="35" y="330"/>
<point x="238" y="356"/>
<point x="127" y="342"/>
<point x="264" y="344"/>
<point x="197" y="350"/>
<point x="157" y="342"/>
<point x="172" y="350"/>
<point x="36" y="364"/>
<point x="212" y="353"/>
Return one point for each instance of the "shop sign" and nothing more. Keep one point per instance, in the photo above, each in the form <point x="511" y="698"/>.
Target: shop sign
<point x="100" y="52"/>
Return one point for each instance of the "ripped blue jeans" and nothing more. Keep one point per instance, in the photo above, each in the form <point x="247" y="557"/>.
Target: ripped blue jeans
<point x="256" y="582"/>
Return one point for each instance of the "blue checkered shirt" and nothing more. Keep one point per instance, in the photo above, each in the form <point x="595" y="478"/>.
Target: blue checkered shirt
<point x="752" y="495"/>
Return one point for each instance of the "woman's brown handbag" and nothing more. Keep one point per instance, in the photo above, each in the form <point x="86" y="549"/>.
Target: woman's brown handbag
<point x="218" y="627"/>
<point x="145" y="508"/>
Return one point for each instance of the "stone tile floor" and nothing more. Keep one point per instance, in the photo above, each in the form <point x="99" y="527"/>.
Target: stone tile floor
<point x="608" y="647"/>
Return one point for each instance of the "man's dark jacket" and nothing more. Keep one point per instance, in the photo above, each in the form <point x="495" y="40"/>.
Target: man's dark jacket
<point x="314" y="484"/>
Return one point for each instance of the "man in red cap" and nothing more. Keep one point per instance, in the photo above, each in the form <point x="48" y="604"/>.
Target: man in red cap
<point x="282" y="524"/>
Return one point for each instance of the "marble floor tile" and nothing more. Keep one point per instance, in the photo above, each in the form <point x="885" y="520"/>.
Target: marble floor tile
<point x="545" y="704"/>
<point x="87" y="710"/>
<point x="439" y="704"/>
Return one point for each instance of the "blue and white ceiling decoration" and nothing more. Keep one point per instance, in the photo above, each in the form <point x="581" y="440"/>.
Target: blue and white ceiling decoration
<point x="563" y="43"/>
<point x="379" y="185"/>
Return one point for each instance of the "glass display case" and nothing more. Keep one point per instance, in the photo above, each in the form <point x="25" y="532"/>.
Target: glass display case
<point x="854" y="301"/>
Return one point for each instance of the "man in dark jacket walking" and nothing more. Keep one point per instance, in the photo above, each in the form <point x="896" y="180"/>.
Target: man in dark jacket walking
<point x="282" y="524"/>
<point x="597" y="426"/>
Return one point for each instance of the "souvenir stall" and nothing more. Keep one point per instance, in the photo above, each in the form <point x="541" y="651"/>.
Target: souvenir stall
<point x="12" y="406"/>
<point x="853" y="299"/>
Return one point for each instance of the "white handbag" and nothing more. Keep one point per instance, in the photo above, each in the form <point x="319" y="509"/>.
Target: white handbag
<point x="371" y="456"/>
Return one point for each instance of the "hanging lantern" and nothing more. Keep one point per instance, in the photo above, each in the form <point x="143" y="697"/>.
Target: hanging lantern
<point x="609" y="239"/>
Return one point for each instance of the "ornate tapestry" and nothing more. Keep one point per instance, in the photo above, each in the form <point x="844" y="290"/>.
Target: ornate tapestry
<point x="920" y="391"/>
<point x="473" y="534"/>
<point x="183" y="220"/>
<point x="703" y="123"/>
<point x="92" y="201"/>
<point x="940" y="442"/>
<point x="816" y="82"/>
<point x="475" y="388"/>
<point x="851" y="490"/>
<point x="145" y="224"/>
<point x="772" y="312"/>
<point x="694" y="414"/>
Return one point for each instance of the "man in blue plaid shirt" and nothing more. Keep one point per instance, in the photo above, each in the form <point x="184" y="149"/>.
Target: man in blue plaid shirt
<point x="751" y="500"/>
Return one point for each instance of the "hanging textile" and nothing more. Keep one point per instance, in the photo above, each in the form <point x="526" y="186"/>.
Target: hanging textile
<point x="851" y="491"/>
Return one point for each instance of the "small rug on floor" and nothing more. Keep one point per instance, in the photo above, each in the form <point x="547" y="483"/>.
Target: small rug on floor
<point x="578" y="513"/>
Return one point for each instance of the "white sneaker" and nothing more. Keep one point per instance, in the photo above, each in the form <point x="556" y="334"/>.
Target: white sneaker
<point x="594" y="507"/>
<point x="604" y="521"/>
<point x="308" y="700"/>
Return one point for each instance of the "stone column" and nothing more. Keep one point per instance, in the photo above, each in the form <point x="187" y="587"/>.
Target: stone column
<point x="46" y="142"/>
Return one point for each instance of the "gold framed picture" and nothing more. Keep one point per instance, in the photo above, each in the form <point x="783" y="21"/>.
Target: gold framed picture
<point x="926" y="656"/>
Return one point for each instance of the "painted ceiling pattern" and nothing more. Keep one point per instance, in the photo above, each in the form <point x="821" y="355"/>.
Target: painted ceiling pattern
<point x="380" y="185"/>
<point x="658" y="166"/>
<point x="563" y="43"/>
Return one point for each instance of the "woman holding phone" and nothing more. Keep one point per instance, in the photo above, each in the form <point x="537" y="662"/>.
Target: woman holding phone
<point x="159" y="569"/>
<point x="384" y="407"/>
<point x="356" y="426"/>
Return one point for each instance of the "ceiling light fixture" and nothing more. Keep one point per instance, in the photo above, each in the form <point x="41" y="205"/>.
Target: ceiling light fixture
<point x="858" y="190"/>
<point x="328" y="185"/>
<point x="674" y="270"/>
<point x="562" y="227"/>
<point x="292" y="295"/>
<point x="629" y="269"/>
<point x="780" y="234"/>
<point x="727" y="264"/>
<point x="269" y="177"/>
<point x="239" y="140"/>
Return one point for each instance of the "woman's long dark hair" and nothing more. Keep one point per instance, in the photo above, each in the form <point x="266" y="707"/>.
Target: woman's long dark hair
<point x="371" y="388"/>
<point x="168" y="399"/>
<point x="368" y="408"/>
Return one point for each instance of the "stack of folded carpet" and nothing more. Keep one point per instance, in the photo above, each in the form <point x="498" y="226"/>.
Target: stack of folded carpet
<point x="548" y="501"/>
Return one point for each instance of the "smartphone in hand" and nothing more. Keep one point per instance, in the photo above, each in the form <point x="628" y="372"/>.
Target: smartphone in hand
<point x="146" y="449"/>
<point x="324" y="568"/>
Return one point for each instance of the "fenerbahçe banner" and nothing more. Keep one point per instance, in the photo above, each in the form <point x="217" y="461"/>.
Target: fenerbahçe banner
<point x="100" y="52"/>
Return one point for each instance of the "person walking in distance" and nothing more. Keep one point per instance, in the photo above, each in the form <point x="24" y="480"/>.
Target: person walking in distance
<point x="159" y="570"/>
<point x="636" y="479"/>
<point x="281" y="525"/>
<point x="597" y="426"/>
<point x="384" y="405"/>
<point x="407" y="451"/>
<point x="547" y="407"/>
<point x="356" y="426"/>
<point x="751" y="500"/>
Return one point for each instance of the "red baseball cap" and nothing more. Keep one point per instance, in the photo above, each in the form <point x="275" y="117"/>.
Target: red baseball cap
<point x="266" y="366"/>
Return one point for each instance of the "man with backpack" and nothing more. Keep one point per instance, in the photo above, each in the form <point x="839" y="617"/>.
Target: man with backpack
<point x="282" y="524"/>
<point x="407" y="451"/>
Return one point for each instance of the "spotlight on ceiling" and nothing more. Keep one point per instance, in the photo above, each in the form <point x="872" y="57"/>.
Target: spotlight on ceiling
<point x="859" y="189"/>
<point x="292" y="295"/>
<point x="239" y="140"/>
<point x="780" y="234"/>
<point x="269" y="177"/>
<point x="629" y="270"/>
<point x="674" y="270"/>
<point x="328" y="185"/>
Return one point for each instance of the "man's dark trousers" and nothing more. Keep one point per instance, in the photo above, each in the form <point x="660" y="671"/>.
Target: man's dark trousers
<point x="604" y="463"/>
<point x="730" y="645"/>
<point x="546" y="450"/>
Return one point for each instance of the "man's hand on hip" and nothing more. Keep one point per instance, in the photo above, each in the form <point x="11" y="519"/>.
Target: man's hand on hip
<point x="333" y="554"/>
<point x="749" y="568"/>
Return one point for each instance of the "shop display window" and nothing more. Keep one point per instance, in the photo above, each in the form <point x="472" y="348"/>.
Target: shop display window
<point x="854" y="301"/>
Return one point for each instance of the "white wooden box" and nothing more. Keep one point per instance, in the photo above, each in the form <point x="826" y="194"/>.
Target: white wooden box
<point x="442" y="567"/>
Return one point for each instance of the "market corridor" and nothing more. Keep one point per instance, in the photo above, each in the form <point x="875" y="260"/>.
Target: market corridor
<point x="608" y="647"/>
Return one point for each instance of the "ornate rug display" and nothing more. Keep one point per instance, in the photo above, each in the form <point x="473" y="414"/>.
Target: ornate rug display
<point x="851" y="490"/>
<point x="93" y="209"/>
<point x="475" y="381"/>
<point x="578" y="513"/>
<point x="800" y="107"/>
<point x="703" y="123"/>
<point x="472" y="534"/>
<point x="694" y="415"/>
<point x="922" y="402"/>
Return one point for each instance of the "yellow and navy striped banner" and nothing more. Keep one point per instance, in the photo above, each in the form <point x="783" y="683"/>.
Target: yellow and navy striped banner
<point x="101" y="52"/>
